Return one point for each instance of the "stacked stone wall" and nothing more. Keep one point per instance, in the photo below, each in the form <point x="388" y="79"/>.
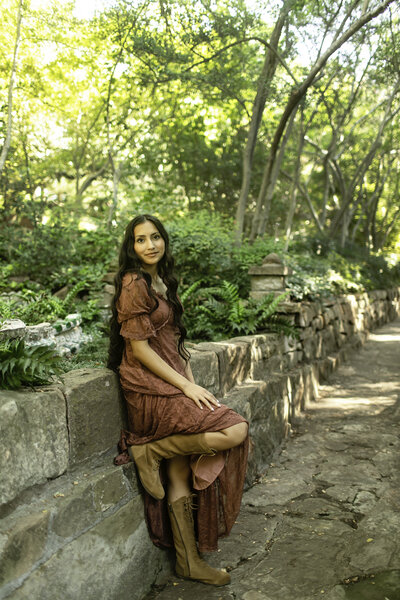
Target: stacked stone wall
<point x="72" y="523"/>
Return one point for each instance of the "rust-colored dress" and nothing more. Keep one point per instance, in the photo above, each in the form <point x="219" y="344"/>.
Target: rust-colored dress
<point x="157" y="409"/>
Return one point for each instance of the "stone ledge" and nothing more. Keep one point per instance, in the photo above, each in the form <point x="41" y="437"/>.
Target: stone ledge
<point x="113" y="559"/>
<point x="61" y="511"/>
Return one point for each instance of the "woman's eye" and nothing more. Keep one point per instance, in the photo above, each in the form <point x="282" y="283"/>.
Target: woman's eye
<point x="157" y="236"/>
<point x="139" y="241"/>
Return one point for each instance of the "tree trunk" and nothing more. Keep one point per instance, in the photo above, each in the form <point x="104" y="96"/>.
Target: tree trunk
<point x="366" y="163"/>
<point x="294" y="186"/>
<point x="298" y="93"/>
<point x="113" y="208"/>
<point x="263" y="88"/>
<point x="264" y="199"/>
<point x="7" y="141"/>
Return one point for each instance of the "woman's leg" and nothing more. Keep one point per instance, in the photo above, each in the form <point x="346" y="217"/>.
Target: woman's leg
<point x="188" y="562"/>
<point x="148" y="456"/>
<point x="179" y="472"/>
<point x="178" y="467"/>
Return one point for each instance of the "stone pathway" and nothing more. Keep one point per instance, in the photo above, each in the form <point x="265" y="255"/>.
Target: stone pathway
<point x="324" y="521"/>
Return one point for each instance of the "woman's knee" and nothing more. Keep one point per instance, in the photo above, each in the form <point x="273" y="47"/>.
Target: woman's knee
<point x="237" y="433"/>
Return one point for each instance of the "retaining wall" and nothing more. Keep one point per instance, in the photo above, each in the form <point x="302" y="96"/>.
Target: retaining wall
<point x="72" y="523"/>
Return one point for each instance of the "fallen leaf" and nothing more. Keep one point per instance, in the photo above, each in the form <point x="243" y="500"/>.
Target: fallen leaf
<point x="370" y="540"/>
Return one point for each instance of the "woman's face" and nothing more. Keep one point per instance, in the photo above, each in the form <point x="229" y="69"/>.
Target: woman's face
<point x="149" y="246"/>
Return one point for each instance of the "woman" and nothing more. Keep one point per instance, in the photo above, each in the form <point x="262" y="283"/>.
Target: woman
<point x="180" y="436"/>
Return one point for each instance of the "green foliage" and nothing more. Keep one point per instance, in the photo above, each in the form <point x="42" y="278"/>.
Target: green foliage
<point x="56" y="255"/>
<point x="33" y="308"/>
<point x="202" y="247"/>
<point x="21" y="365"/>
<point x="218" y="312"/>
<point x="92" y="354"/>
<point x="319" y="269"/>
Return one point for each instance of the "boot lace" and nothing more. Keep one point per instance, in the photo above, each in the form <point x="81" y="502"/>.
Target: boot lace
<point x="156" y="464"/>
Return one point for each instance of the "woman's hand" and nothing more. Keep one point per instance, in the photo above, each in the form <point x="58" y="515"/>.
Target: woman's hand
<point x="200" y="396"/>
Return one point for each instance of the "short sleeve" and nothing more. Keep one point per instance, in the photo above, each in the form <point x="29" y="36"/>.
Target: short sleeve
<point x="134" y="306"/>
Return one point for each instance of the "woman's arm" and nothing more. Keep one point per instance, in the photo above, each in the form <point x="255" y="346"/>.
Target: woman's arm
<point x="150" y="359"/>
<point x="188" y="371"/>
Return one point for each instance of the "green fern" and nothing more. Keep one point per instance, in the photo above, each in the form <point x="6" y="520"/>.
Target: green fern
<point x="22" y="365"/>
<point x="218" y="312"/>
<point x="190" y="291"/>
<point x="37" y="308"/>
<point x="69" y="300"/>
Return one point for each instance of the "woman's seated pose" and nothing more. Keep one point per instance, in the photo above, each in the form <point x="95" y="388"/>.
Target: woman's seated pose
<point x="185" y="444"/>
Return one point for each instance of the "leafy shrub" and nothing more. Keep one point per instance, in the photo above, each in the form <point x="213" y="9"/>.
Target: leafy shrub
<point x="21" y="365"/>
<point x="202" y="247"/>
<point x="58" y="254"/>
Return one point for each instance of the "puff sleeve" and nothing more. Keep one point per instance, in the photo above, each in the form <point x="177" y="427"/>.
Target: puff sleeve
<point x="134" y="306"/>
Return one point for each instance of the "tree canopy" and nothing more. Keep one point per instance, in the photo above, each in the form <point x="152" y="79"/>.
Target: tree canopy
<point x="282" y="115"/>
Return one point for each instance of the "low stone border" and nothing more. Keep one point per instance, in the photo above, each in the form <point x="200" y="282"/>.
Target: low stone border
<point x="65" y="335"/>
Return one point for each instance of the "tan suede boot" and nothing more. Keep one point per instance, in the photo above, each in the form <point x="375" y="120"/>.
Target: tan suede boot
<point x="147" y="457"/>
<point x="189" y="564"/>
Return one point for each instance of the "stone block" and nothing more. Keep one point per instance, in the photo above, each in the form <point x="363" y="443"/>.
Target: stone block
<point x="252" y="400"/>
<point x="306" y="333"/>
<point x="310" y="385"/>
<point x="329" y="316"/>
<point x="325" y="368"/>
<point x="287" y="307"/>
<point x="95" y="412"/>
<point x="295" y="386"/>
<point x="270" y="269"/>
<point x="109" y="489"/>
<point x="265" y="354"/>
<point x="234" y="362"/>
<point x="378" y="294"/>
<point x="33" y="439"/>
<point x="78" y="507"/>
<point x="73" y="512"/>
<point x="112" y="560"/>
<point x="313" y="347"/>
<point x="278" y="421"/>
<point x="328" y="340"/>
<point x="22" y="543"/>
<point x="43" y="333"/>
<point x="259" y="283"/>
<point x="205" y="369"/>
<point x="318" y="323"/>
<point x="12" y="329"/>
<point x="289" y="343"/>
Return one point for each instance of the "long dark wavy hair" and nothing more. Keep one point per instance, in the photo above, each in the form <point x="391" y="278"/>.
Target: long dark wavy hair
<point x="130" y="263"/>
